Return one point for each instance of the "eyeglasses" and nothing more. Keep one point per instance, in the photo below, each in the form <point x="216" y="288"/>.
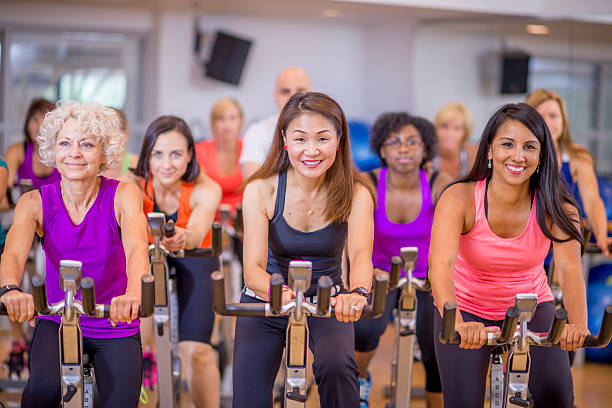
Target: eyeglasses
<point x="411" y="144"/>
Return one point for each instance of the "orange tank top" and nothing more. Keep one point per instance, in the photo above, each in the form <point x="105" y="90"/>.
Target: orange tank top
<point x="184" y="210"/>
<point x="490" y="271"/>
<point x="206" y="152"/>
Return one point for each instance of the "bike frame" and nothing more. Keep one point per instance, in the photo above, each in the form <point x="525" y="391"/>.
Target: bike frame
<point x="516" y="379"/>
<point x="77" y="381"/>
<point x="296" y="343"/>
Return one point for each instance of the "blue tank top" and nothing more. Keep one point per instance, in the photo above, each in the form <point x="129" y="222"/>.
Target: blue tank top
<point x="390" y="237"/>
<point x="322" y="247"/>
<point x="566" y="175"/>
<point x="96" y="242"/>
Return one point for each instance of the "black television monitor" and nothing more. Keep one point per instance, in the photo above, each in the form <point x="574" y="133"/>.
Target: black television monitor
<point x="228" y="57"/>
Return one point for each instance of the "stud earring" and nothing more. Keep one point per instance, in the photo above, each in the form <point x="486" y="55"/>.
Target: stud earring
<point x="285" y="147"/>
<point x="338" y="148"/>
<point x="490" y="163"/>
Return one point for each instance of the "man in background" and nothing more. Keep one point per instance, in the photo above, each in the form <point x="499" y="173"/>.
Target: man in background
<point x="259" y="135"/>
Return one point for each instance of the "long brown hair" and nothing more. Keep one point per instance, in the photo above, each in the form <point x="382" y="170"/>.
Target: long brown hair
<point x="566" y="144"/>
<point x="341" y="177"/>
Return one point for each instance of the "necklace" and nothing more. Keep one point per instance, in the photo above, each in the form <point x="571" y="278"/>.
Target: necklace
<point x="315" y="203"/>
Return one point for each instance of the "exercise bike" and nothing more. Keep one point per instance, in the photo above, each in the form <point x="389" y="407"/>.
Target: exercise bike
<point x="77" y="372"/>
<point x="510" y="388"/>
<point x="404" y="325"/>
<point x="296" y="346"/>
<point x="165" y="315"/>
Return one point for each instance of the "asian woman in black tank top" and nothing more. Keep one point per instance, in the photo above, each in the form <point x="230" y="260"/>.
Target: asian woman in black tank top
<point x="306" y="192"/>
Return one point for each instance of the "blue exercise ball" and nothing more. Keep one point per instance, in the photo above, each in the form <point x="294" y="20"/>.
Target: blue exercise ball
<point x="359" y="134"/>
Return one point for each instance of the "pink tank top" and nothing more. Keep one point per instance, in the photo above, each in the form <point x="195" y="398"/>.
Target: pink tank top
<point x="490" y="271"/>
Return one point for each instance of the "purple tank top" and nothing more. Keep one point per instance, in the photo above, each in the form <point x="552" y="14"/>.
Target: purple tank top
<point x="96" y="242"/>
<point x="390" y="237"/>
<point x="26" y="172"/>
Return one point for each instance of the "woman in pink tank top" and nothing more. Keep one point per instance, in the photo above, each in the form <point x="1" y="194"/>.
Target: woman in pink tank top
<point x="94" y="220"/>
<point x="491" y="233"/>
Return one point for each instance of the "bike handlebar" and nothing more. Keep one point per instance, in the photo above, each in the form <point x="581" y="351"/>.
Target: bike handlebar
<point x="604" y="336"/>
<point x="602" y="339"/>
<point x="274" y="308"/>
<point x="88" y="302"/>
<point x="216" y="249"/>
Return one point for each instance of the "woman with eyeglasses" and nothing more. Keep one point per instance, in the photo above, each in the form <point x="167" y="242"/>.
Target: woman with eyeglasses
<point x="403" y="217"/>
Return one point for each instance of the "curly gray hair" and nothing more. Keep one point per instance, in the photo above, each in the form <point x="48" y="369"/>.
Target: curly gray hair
<point x="93" y="119"/>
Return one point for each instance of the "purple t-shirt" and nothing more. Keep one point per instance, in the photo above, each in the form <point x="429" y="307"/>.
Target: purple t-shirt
<point x="390" y="237"/>
<point x="96" y="242"/>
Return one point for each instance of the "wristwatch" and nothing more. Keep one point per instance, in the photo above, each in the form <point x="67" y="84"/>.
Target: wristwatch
<point x="361" y="291"/>
<point x="8" y="288"/>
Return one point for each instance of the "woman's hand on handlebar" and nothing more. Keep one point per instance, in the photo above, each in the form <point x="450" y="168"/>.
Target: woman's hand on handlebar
<point x="474" y="334"/>
<point x="19" y="306"/>
<point x="124" y="308"/>
<point x="348" y="306"/>
<point x="176" y="242"/>
<point x="573" y="336"/>
<point x="287" y="295"/>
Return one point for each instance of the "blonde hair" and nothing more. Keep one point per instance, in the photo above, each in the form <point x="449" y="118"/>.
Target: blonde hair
<point x="456" y="110"/>
<point x="221" y="106"/>
<point x="93" y="119"/>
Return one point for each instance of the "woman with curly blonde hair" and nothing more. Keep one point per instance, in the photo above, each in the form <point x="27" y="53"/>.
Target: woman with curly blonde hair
<point x="97" y="221"/>
<point x="577" y="165"/>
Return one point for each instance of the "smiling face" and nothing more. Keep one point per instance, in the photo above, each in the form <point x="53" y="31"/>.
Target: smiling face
<point x="312" y="142"/>
<point x="169" y="158"/>
<point x="403" y="150"/>
<point x="551" y="112"/>
<point x="77" y="155"/>
<point x="515" y="152"/>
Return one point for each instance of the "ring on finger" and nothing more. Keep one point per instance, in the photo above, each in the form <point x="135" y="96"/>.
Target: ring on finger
<point x="355" y="307"/>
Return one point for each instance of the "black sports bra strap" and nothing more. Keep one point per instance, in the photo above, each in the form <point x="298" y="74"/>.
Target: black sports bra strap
<point x="279" y="205"/>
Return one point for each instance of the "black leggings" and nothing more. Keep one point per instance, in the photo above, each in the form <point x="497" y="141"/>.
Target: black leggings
<point x="464" y="371"/>
<point x="258" y="349"/>
<point x="196" y="315"/>
<point x="368" y="332"/>
<point x="117" y="363"/>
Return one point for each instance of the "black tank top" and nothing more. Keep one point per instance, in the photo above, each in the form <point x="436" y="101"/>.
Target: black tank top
<point x="322" y="247"/>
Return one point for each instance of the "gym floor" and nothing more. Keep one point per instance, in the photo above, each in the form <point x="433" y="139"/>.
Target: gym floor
<point x="591" y="381"/>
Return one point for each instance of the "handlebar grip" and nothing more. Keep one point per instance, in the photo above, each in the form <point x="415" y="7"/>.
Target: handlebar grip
<point x="40" y="295"/>
<point x="605" y="331"/>
<point x="169" y="229"/>
<point x="377" y="308"/>
<point x="396" y="264"/>
<point x="88" y="295"/>
<point x="276" y="292"/>
<point x="448" y="334"/>
<point x="556" y="329"/>
<point x="509" y="325"/>
<point x="217" y="242"/>
<point x="324" y="286"/>
<point x="147" y="302"/>
<point x="218" y="289"/>
<point x="238" y="223"/>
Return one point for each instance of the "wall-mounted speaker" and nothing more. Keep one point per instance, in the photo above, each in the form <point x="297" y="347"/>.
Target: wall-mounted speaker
<point x="515" y="73"/>
<point x="228" y="58"/>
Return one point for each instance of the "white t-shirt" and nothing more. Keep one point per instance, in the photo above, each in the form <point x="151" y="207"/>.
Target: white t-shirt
<point x="257" y="140"/>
